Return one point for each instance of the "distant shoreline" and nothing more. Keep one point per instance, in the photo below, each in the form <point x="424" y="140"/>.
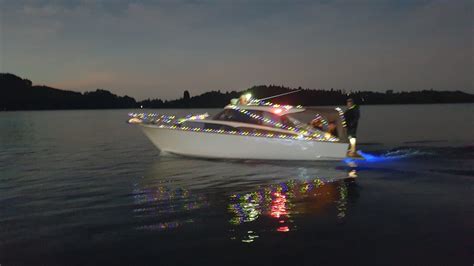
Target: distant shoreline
<point x="18" y="94"/>
<point x="197" y="108"/>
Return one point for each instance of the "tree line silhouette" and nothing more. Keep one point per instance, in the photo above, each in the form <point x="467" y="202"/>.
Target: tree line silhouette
<point x="20" y="94"/>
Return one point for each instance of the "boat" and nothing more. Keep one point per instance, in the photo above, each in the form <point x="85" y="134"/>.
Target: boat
<point x="255" y="131"/>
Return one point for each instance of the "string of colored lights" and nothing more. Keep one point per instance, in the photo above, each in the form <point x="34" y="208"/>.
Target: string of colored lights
<point x="324" y="122"/>
<point x="153" y="118"/>
<point x="251" y="134"/>
<point x="303" y="132"/>
<point x="264" y="103"/>
<point x="267" y="120"/>
<point x="168" y="119"/>
<point x="288" y="107"/>
<point x="194" y="117"/>
<point x="164" y="121"/>
<point x="341" y="115"/>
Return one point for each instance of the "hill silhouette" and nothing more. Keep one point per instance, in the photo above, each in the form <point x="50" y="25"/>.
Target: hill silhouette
<point x="20" y="94"/>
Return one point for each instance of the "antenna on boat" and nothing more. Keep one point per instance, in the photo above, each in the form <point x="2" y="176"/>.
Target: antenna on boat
<point x="278" y="95"/>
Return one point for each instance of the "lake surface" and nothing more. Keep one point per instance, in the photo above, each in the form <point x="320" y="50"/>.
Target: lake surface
<point x="84" y="187"/>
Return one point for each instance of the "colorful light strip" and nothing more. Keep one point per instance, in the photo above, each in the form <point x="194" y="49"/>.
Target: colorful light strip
<point x="322" y="119"/>
<point x="341" y="115"/>
<point x="170" y="122"/>
<point x="288" y="107"/>
<point x="302" y="132"/>
<point x="194" y="117"/>
<point x="263" y="103"/>
<point x="250" y="134"/>
<point x="152" y="118"/>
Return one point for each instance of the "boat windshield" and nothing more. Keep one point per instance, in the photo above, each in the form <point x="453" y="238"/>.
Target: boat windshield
<point x="258" y="118"/>
<point x="236" y="116"/>
<point x="326" y="120"/>
<point x="301" y="125"/>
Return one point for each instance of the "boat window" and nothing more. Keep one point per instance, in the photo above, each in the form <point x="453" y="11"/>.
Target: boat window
<point x="192" y="124"/>
<point x="286" y="121"/>
<point x="264" y="131"/>
<point x="236" y="116"/>
<point x="203" y="125"/>
<point x="277" y="119"/>
<point x="219" y="127"/>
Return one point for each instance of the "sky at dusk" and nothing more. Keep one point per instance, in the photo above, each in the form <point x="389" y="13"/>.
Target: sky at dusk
<point x="158" y="49"/>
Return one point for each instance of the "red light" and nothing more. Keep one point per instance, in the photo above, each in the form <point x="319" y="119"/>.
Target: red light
<point x="278" y="207"/>
<point x="277" y="111"/>
<point x="283" y="229"/>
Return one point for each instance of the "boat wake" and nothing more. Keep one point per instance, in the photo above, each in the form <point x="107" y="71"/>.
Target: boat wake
<point x="393" y="155"/>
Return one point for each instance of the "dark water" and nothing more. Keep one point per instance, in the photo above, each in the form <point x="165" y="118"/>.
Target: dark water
<point x="83" y="187"/>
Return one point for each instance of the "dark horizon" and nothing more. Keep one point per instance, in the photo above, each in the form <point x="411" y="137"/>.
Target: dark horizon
<point x="229" y="90"/>
<point x="20" y="94"/>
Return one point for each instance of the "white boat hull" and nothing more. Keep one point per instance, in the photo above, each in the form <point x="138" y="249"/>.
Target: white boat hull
<point x="224" y="146"/>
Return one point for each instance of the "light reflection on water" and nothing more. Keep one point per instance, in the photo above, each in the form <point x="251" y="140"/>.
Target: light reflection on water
<point x="279" y="203"/>
<point x="77" y="186"/>
<point x="254" y="203"/>
<point x="159" y="200"/>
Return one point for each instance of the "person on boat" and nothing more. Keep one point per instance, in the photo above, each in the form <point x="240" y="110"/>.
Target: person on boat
<point x="332" y="129"/>
<point x="352" y="115"/>
<point x="243" y="100"/>
<point x="317" y="123"/>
